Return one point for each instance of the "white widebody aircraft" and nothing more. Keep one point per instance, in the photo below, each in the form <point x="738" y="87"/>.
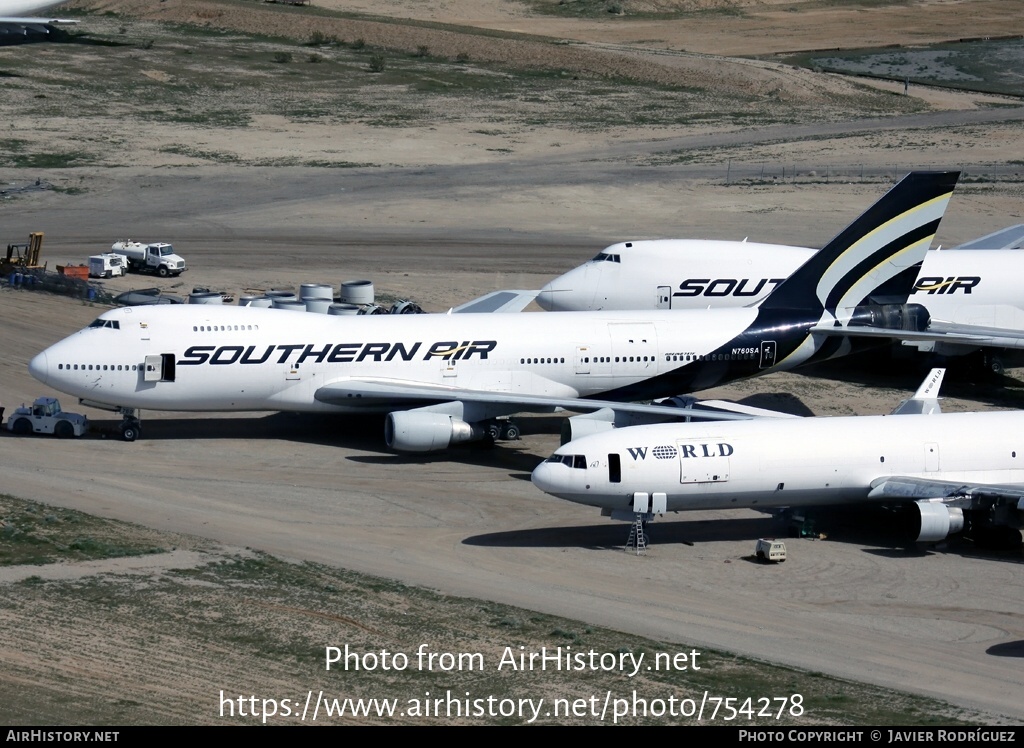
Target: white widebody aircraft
<point x="447" y="378"/>
<point x="14" y="18"/>
<point x="971" y="295"/>
<point x="959" y="471"/>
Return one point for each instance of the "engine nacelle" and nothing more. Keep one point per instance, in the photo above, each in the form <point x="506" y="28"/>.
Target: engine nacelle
<point x="938" y="521"/>
<point x="406" y="431"/>
<point x="891" y="316"/>
<point x="592" y="423"/>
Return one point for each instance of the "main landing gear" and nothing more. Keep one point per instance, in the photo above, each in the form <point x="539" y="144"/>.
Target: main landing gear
<point x="503" y="430"/>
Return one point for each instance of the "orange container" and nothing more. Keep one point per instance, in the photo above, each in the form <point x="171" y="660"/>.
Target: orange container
<point x="74" y="271"/>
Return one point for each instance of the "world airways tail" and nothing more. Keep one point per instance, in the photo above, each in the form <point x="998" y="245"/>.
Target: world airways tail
<point x="444" y="379"/>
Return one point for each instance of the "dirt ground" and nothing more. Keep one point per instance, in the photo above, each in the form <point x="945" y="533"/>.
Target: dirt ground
<point x="471" y="194"/>
<point x="712" y="27"/>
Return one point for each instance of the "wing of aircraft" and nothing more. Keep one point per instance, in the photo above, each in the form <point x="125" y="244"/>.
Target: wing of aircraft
<point x="957" y="472"/>
<point x="497" y="302"/>
<point x="1012" y="237"/>
<point x="12" y="20"/>
<point x="375" y="393"/>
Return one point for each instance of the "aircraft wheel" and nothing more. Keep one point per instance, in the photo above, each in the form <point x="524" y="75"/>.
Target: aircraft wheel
<point x="63" y="430"/>
<point x="494" y="431"/>
<point x="996" y="365"/>
<point x="22" y="427"/>
<point x="510" y="432"/>
<point x="129" y="431"/>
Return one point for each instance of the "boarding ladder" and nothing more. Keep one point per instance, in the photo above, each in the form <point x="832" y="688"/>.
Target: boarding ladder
<point x="637" y="542"/>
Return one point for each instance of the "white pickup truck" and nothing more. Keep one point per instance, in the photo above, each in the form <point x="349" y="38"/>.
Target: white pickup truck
<point x="156" y="258"/>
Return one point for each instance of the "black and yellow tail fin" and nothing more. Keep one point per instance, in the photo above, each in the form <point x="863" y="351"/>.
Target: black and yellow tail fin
<point x="876" y="256"/>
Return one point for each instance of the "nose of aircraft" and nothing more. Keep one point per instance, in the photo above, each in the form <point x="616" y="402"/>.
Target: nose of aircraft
<point x="546" y="297"/>
<point x="39" y="367"/>
<point x="544" y="478"/>
<point x="562" y="294"/>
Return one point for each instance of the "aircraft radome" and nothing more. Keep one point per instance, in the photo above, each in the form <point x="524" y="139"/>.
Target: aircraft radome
<point x="959" y="471"/>
<point x="971" y="294"/>
<point x="445" y="379"/>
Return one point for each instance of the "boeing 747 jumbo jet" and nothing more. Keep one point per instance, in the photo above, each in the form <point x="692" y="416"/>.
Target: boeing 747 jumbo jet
<point x="13" y="22"/>
<point x="971" y="295"/>
<point x="445" y="379"/>
<point x="957" y="471"/>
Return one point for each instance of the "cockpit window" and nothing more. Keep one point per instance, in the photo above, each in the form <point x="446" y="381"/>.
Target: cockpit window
<point x="603" y="257"/>
<point x="113" y="324"/>
<point x="574" y="461"/>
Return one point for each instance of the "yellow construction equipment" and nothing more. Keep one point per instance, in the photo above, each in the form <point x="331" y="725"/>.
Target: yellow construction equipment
<point x="25" y="256"/>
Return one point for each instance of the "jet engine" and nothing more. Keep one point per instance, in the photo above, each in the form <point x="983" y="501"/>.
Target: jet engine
<point x="938" y="521"/>
<point x="891" y="316"/>
<point x="577" y="427"/>
<point x="410" y="431"/>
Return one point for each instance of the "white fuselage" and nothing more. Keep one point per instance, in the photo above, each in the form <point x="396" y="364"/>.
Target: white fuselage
<point x="976" y="287"/>
<point x="767" y="463"/>
<point x="244" y="358"/>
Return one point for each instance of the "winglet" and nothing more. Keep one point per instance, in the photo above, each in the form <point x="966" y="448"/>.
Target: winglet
<point x="926" y="399"/>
